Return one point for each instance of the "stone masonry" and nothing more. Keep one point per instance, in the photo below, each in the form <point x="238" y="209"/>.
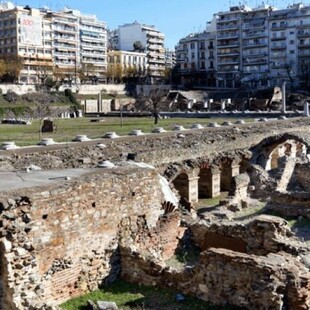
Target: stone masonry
<point x="62" y="240"/>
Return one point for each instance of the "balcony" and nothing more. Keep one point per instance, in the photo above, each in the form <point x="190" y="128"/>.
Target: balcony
<point x="249" y="35"/>
<point x="279" y="26"/>
<point x="65" y="29"/>
<point x="230" y="53"/>
<point x="227" y="27"/>
<point x="302" y="33"/>
<point x="228" y="44"/>
<point x="72" y="40"/>
<point x="254" y="44"/>
<point x="252" y="61"/>
<point x="278" y="47"/>
<point x="227" y="18"/>
<point x="228" y="61"/>
<point x="304" y="45"/>
<point x="228" y="35"/>
<point x="254" y="25"/>
<point x="65" y="47"/>
<point x="278" y="38"/>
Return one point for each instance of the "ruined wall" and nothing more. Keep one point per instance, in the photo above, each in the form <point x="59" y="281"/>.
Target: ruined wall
<point x="263" y="235"/>
<point x="290" y="204"/>
<point x="222" y="276"/>
<point x="302" y="173"/>
<point x="62" y="240"/>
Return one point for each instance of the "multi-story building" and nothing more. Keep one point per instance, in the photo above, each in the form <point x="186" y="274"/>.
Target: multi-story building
<point x="140" y="37"/>
<point x="52" y="43"/>
<point x="195" y="56"/>
<point x="254" y="67"/>
<point x="170" y="59"/>
<point x="126" y="64"/>
<point x="289" y="44"/>
<point x="228" y="46"/>
<point x="25" y="33"/>
<point x="93" y="45"/>
<point x="254" y="48"/>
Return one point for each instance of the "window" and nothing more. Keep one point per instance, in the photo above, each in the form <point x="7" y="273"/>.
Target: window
<point x="292" y="52"/>
<point x="192" y="45"/>
<point x="292" y="42"/>
<point x="193" y="55"/>
<point x="202" y="45"/>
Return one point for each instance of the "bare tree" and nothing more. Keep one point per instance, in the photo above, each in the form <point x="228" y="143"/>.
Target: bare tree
<point x="43" y="110"/>
<point x="154" y="100"/>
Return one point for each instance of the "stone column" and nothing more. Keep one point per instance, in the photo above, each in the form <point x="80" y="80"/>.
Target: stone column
<point x="99" y="104"/>
<point x="235" y="169"/>
<point x="215" y="182"/>
<point x="193" y="189"/>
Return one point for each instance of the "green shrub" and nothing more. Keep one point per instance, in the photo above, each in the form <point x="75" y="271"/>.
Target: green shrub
<point x="70" y="95"/>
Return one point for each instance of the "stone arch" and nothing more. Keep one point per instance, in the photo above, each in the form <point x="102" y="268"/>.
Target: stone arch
<point x="271" y="150"/>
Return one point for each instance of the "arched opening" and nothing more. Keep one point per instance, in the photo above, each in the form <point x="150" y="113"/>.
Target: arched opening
<point x="274" y="159"/>
<point x="181" y="185"/>
<point x="205" y="184"/>
<point x="226" y="176"/>
<point x="288" y="149"/>
<point x="281" y="152"/>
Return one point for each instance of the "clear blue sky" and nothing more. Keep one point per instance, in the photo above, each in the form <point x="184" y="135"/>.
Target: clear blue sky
<point x="175" y="18"/>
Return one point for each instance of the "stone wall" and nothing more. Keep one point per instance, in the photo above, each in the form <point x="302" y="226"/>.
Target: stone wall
<point x="62" y="240"/>
<point x="293" y="204"/>
<point x="231" y="273"/>
<point x="275" y="281"/>
<point x="302" y="173"/>
<point x="160" y="149"/>
<point x="263" y="235"/>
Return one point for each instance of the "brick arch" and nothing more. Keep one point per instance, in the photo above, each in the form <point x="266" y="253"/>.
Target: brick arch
<point x="271" y="149"/>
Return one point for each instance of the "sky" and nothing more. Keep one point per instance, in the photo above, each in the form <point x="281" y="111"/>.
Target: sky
<point x="175" y="18"/>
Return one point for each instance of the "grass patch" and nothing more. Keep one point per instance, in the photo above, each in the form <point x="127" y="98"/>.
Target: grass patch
<point x="211" y="202"/>
<point x="67" y="129"/>
<point x="128" y="296"/>
<point x="250" y="212"/>
<point x="293" y="222"/>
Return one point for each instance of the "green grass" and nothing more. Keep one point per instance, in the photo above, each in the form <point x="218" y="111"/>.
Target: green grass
<point x="211" y="202"/>
<point x="67" y="129"/>
<point x="187" y="256"/>
<point x="128" y="296"/>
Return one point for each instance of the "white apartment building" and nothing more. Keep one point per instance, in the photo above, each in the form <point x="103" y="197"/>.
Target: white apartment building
<point x="254" y="66"/>
<point x="256" y="48"/>
<point x="27" y="34"/>
<point x="196" y="59"/>
<point x="170" y="59"/>
<point x="151" y="40"/>
<point x="53" y="43"/>
<point x="93" y="45"/>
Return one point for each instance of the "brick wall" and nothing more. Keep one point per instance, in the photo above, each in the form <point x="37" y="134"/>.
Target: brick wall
<point x="63" y="239"/>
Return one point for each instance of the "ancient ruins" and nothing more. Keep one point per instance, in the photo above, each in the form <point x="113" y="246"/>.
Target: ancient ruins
<point x="72" y="226"/>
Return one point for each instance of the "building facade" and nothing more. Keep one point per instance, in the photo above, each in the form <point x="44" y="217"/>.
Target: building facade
<point x="52" y="43"/>
<point x="122" y="64"/>
<point x="196" y="58"/>
<point x="140" y="37"/>
<point x="254" y="48"/>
